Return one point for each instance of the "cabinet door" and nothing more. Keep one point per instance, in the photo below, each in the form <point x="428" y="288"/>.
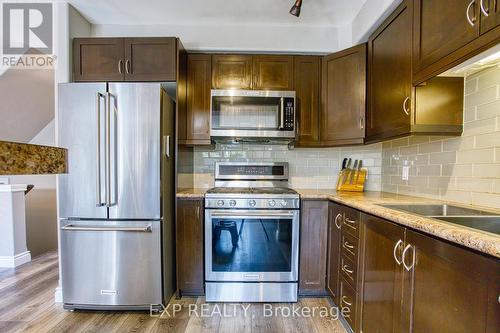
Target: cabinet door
<point x="189" y="245"/>
<point x="389" y="56"/>
<point x="490" y="15"/>
<point x="232" y="71"/>
<point x="198" y="99"/>
<point x="450" y="289"/>
<point x="313" y="247"/>
<point x="150" y="59"/>
<point x="334" y="246"/>
<point x="382" y="276"/>
<point x="273" y="72"/>
<point x="98" y="59"/>
<point x="441" y="27"/>
<point x="307" y="82"/>
<point x="344" y="96"/>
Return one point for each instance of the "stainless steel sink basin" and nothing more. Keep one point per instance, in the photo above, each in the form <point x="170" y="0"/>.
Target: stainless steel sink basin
<point x="439" y="210"/>
<point x="468" y="217"/>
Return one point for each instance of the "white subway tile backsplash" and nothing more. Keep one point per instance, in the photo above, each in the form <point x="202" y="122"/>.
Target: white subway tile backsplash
<point x="464" y="169"/>
<point x="476" y="156"/>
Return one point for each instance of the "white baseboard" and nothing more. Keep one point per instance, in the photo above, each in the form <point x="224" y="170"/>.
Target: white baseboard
<point x="14" y="261"/>
<point x="58" y="295"/>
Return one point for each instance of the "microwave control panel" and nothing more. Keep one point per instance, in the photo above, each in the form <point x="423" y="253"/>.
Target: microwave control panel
<point x="289" y="111"/>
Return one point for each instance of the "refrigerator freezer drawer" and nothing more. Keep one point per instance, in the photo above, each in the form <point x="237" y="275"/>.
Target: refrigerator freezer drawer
<point x="111" y="263"/>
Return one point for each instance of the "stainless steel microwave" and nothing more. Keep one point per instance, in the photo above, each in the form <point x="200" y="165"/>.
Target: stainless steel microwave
<point x="256" y="114"/>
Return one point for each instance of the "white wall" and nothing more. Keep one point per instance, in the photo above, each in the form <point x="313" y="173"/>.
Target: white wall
<point x="372" y="13"/>
<point x="284" y="38"/>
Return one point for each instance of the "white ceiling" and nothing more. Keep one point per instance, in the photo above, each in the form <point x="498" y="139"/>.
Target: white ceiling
<point x="218" y="12"/>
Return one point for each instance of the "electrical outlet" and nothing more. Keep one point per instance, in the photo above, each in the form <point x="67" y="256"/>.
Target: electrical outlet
<point x="4" y="181"/>
<point x="406" y="172"/>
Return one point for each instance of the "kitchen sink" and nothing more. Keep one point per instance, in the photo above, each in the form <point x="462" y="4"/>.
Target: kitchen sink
<point x="468" y="217"/>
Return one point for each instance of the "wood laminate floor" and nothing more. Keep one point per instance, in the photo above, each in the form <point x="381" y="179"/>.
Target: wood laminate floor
<point x="27" y="305"/>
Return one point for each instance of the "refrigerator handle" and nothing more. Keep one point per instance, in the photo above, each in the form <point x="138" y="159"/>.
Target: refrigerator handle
<point x="98" y="150"/>
<point x="107" y="160"/>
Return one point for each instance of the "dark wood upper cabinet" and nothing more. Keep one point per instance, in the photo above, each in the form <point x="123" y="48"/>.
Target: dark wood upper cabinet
<point x="382" y="281"/>
<point x="231" y="71"/>
<point x="98" y="59"/>
<point x="390" y="70"/>
<point x="446" y="281"/>
<point x="189" y="245"/>
<point x="125" y="59"/>
<point x="198" y="99"/>
<point x="344" y="96"/>
<point x="307" y="89"/>
<point x="273" y="72"/>
<point x="334" y="245"/>
<point x="448" y="32"/>
<point x="150" y="59"/>
<point x="490" y="15"/>
<point x="313" y="247"/>
<point x="441" y="27"/>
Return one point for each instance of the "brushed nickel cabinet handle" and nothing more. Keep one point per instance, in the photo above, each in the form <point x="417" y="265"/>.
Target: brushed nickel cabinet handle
<point x="350" y="221"/>
<point x="345" y="302"/>
<point x="349" y="246"/>
<point x="469" y="19"/>
<point x="349" y="271"/>
<point x="336" y="219"/>
<point x="394" y="252"/>
<point x="120" y="66"/>
<point x="127" y="66"/>
<point x="405" y="106"/>
<point x="483" y="9"/>
<point x="361" y="123"/>
<point x="408" y="268"/>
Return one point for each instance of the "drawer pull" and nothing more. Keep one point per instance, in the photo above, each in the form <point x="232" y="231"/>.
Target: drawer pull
<point x="345" y="302"/>
<point x="349" y="246"/>
<point x="350" y="221"/>
<point x="345" y="269"/>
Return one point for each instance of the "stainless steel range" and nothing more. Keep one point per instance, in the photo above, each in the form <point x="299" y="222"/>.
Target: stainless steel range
<point x="251" y="234"/>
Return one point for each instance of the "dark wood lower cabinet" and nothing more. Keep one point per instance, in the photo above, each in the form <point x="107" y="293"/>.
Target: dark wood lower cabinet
<point x="189" y="245"/>
<point x="449" y="289"/>
<point x="334" y="240"/>
<point x="313" y="247"/>
<point x="382" y="276"/>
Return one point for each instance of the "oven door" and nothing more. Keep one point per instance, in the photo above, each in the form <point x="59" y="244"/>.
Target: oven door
<point x="251" y="245"/>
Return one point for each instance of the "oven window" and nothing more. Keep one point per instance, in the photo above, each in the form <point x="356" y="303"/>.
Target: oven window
<point x="251" y="245"/>
<point x="245" y="112"/>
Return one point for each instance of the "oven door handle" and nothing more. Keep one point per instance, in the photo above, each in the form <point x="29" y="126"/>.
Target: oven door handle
<point x="251" y="214"/>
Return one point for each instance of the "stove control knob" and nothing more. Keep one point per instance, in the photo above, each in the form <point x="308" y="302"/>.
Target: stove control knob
<point x="252" y="203"/>
<point x="272" y="203"/>
<point x="232" y="203"/>
<point x="220" y="203"/>
<point x="283" y="203"/>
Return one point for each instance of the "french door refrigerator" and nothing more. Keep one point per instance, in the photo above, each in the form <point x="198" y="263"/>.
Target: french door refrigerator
<point x="115" y="201"/>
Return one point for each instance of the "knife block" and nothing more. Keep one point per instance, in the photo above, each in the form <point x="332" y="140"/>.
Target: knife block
<point x="351" y="180"/>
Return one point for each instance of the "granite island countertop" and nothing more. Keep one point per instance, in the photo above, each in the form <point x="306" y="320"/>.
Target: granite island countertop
<point x="29" y="159"/>
<point x="369" y="202"/>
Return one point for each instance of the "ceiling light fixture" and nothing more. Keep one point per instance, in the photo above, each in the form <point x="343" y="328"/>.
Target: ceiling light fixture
<point x="295" y="11"/>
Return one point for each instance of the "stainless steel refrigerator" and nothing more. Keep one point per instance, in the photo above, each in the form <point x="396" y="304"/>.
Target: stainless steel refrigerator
<point x="116" y="201"/>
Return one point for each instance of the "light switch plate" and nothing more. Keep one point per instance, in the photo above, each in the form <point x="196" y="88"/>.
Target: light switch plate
<point x="4" y="181"/>
<point x="406" y="172"/>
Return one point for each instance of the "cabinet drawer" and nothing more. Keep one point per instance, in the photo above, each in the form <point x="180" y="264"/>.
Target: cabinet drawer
<point x="348" y="304"/>
<point x="348" y="270"/>
<point x="350" y="222"/>
<point x="350" y="246"/>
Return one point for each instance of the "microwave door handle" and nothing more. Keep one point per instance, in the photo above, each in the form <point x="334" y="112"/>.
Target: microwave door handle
<point x="282" y="113"/>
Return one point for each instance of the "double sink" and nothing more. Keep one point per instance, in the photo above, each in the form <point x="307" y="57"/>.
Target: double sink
<point x="472" y="218"/>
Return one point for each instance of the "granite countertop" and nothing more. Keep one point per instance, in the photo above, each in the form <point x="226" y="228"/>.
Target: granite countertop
<point x="28" y="159"/>
<point x="369" y="202"/>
